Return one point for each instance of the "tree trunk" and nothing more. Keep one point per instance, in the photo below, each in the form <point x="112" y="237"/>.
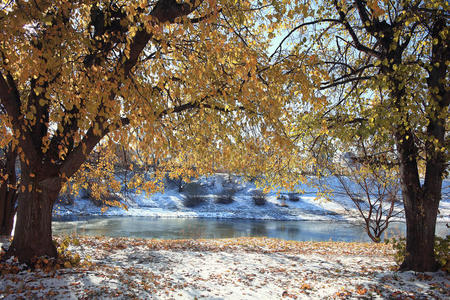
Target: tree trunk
<point x="8" y="193"/>
<point x="421" y="207"/>
<point x="420" y="234"/>
<point x="8" y="198"/>
<point x="33" y="233"/>
<point x="422" y="203"/>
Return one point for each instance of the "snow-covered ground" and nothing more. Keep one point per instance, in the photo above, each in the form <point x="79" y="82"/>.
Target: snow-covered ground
<point x="244" y="268"/>
<point x="311" y="206"/>
<point x="237" y="268"/>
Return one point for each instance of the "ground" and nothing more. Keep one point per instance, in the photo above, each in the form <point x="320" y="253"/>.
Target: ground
<point x="242" y="268"/>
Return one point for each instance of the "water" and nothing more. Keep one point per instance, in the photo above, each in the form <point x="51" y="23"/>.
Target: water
<point x="185" y="228"/>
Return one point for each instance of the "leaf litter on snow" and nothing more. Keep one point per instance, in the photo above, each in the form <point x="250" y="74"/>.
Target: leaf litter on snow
<point x="243" y="268"/>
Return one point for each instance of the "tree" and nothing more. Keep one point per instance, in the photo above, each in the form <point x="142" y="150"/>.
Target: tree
<point x="373" y="189"/>
<point x="189" y="78"/>
<point x="384" y="69"/>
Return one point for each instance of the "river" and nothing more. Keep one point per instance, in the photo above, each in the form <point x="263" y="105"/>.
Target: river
<point x="187" y="228"/>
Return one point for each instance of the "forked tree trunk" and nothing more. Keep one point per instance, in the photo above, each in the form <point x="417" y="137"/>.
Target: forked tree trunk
<point x="420" y="235"/>
<point x="421" y="205"/>
<point x="33" y="232"/>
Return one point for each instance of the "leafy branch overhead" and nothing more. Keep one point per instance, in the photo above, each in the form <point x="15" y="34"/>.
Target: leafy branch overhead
<point x="96" y="79"/>
<point x="187" y="83"/>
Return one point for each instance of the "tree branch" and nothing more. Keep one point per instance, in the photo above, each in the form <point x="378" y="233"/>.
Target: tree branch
<point x="297" y="28"/>
<point x="336" y="83"/>
<point x="10" y="99"/>
<point x="352" y="33"/>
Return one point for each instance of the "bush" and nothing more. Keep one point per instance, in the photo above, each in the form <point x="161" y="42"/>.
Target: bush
<point x="399" y="246"/>
<point x="259" y="198"/>
<point x="358" y="200"/>
<point x="226" y="197"/>
<point x="193" y="200"/>
<point x="294" y="197"/>
<point x="193" y="194"/>
<point x="193" y="188"/>
<point x="96" y="199"/>
<point x="282" y="199"/>
<point x="441" y="246"/>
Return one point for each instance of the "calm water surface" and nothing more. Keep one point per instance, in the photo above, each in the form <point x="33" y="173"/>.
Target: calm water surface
<point x="183" y="228"/>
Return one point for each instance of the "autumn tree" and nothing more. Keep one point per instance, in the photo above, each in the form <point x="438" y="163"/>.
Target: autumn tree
<point x="191" y="79"/>
<point x="383" y="66"/>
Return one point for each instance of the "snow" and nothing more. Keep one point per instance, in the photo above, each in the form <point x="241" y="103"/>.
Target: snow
<point x="311" y="205"/>
<point x="237" y="268"/>
<point x="244" y="268"/>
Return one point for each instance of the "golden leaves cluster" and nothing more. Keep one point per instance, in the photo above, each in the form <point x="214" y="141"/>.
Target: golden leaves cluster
<point x="205" y="93"/>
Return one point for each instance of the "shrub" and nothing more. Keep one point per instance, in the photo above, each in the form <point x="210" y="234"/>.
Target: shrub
<point x="441" y="246"/>
<point x="193" y="188"/>
<point x="96" y="198"/>
<point x="358" y="200"/>
<point x="282" y="199"/>
<point x="193" y="200"/>
<point x="193" y="194"/>
<point x="172" y="183"/>
<point x="294" y="197"/>
<point x="399" y="246"/>
<point x="226" y="197"/>
<point x="259" y="198"/>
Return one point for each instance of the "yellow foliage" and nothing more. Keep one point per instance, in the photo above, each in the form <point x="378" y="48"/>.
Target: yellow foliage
<point x="194" y="98"/>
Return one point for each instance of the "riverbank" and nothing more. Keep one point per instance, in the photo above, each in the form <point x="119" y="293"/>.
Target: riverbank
<point x="240" y="268"/>
<point x="308" y="205"/>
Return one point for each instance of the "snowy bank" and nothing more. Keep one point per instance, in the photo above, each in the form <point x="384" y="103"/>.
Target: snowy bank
<point x="310" y="205"/>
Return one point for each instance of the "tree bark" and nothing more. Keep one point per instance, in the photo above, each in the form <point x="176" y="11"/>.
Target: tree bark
<point x="420" y="235"/>
<point x="33" y="232"/>
<point x="8" y="199"/>
<point x="420" y="208"/>
<point x="8" y="193"/>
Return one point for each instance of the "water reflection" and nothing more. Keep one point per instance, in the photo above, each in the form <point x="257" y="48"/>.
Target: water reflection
<point x="143" y="227"/>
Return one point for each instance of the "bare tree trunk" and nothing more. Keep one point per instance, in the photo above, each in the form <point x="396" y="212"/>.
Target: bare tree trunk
<point x="33" y="232"/>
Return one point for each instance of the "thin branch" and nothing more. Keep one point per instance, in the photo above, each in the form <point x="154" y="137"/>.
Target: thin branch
<point x="336" y="83"/>
<point x="297" y="28"/>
